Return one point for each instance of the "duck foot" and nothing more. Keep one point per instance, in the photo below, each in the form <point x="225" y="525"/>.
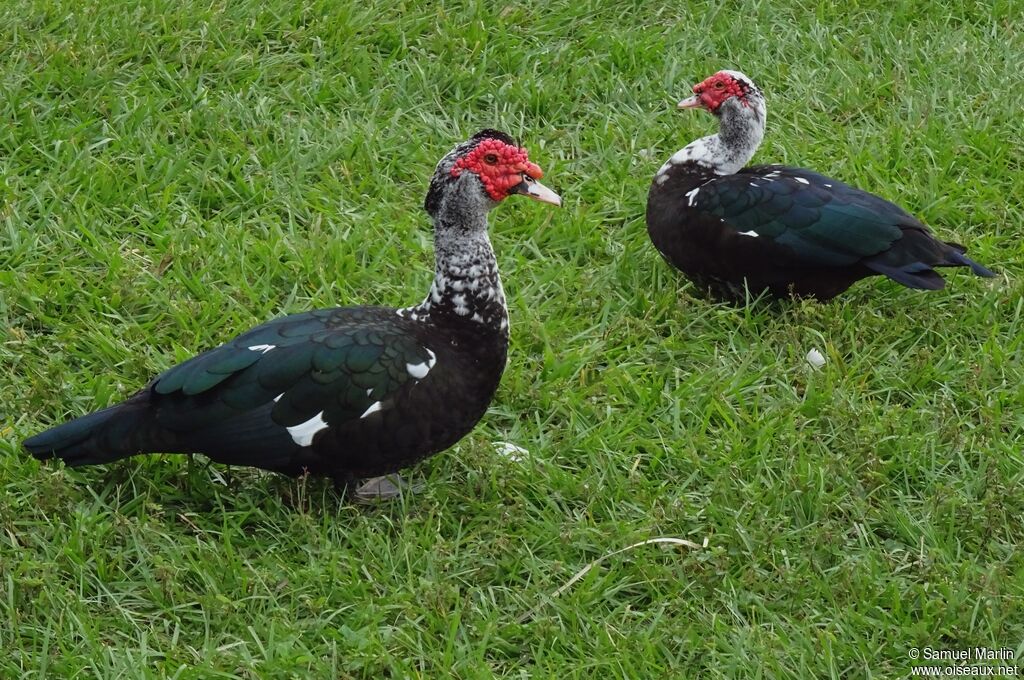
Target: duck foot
<point x="380" y="489"/>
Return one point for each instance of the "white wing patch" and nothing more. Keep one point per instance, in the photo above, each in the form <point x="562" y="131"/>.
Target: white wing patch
<point x="261" y="348"/>
<point x="303" y="433"/>
<point x="419" y="371"/>
<point x="373" y="408"/>
<point x="749" y="233"/>
<point x="801" y="180"/>
<point x="691" y="196"/>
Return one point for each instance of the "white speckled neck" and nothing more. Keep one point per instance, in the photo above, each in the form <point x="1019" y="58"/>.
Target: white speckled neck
<point x="466" y="287"/>
<point x="466" y="280"/>
<point x="740" y="132"/>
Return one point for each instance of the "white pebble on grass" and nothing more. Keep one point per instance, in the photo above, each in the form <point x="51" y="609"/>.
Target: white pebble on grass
<point x="510" y="451"/>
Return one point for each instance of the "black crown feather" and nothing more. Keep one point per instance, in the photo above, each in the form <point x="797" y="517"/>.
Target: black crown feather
<point x="489" y="133"/>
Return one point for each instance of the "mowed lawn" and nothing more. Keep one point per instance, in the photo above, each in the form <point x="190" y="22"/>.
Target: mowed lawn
<point x="176" y="172"/>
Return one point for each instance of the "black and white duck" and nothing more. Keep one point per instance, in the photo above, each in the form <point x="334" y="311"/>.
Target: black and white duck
<point x="785" y="231"/>
<point x="350" y="392"/>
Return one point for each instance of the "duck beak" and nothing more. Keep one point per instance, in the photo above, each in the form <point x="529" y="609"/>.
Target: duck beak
<point x="537" y="191"/>
<point x="693" y="102"/>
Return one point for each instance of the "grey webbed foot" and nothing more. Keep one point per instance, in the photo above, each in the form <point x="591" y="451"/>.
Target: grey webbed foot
<point x="380" y="489"/>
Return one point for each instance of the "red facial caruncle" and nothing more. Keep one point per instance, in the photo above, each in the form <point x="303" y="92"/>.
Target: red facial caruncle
<point x="717" y="88"/>
<point x="500" y="166"/>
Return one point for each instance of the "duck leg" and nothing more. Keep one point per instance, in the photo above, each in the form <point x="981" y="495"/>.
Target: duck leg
<point x="380" y="489"/>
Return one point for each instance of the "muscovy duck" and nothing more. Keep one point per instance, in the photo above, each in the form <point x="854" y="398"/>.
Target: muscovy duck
<point x="786" y="231"/>
<point x="351" y="392"/>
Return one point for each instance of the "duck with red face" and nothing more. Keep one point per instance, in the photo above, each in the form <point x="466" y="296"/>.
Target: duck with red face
<point x="740" y="231"/>
<point x="349" y="392"/>
<point x="504" y="168"/>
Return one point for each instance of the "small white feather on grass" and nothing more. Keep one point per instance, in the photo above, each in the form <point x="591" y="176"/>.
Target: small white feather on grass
<point x="815" y="358"/>
<point x="511" y="451"/>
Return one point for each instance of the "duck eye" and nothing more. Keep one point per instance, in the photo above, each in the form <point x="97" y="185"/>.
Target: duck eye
<point x="719" y="84"/>
<point x="491" y="158"/>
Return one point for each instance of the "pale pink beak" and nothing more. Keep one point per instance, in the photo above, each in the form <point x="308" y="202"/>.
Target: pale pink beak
<point x="693" y="102"/>
<point x="533" y="189"/>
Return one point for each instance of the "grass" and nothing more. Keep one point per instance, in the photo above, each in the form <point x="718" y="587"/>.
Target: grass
<point x="174" y="173"/>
